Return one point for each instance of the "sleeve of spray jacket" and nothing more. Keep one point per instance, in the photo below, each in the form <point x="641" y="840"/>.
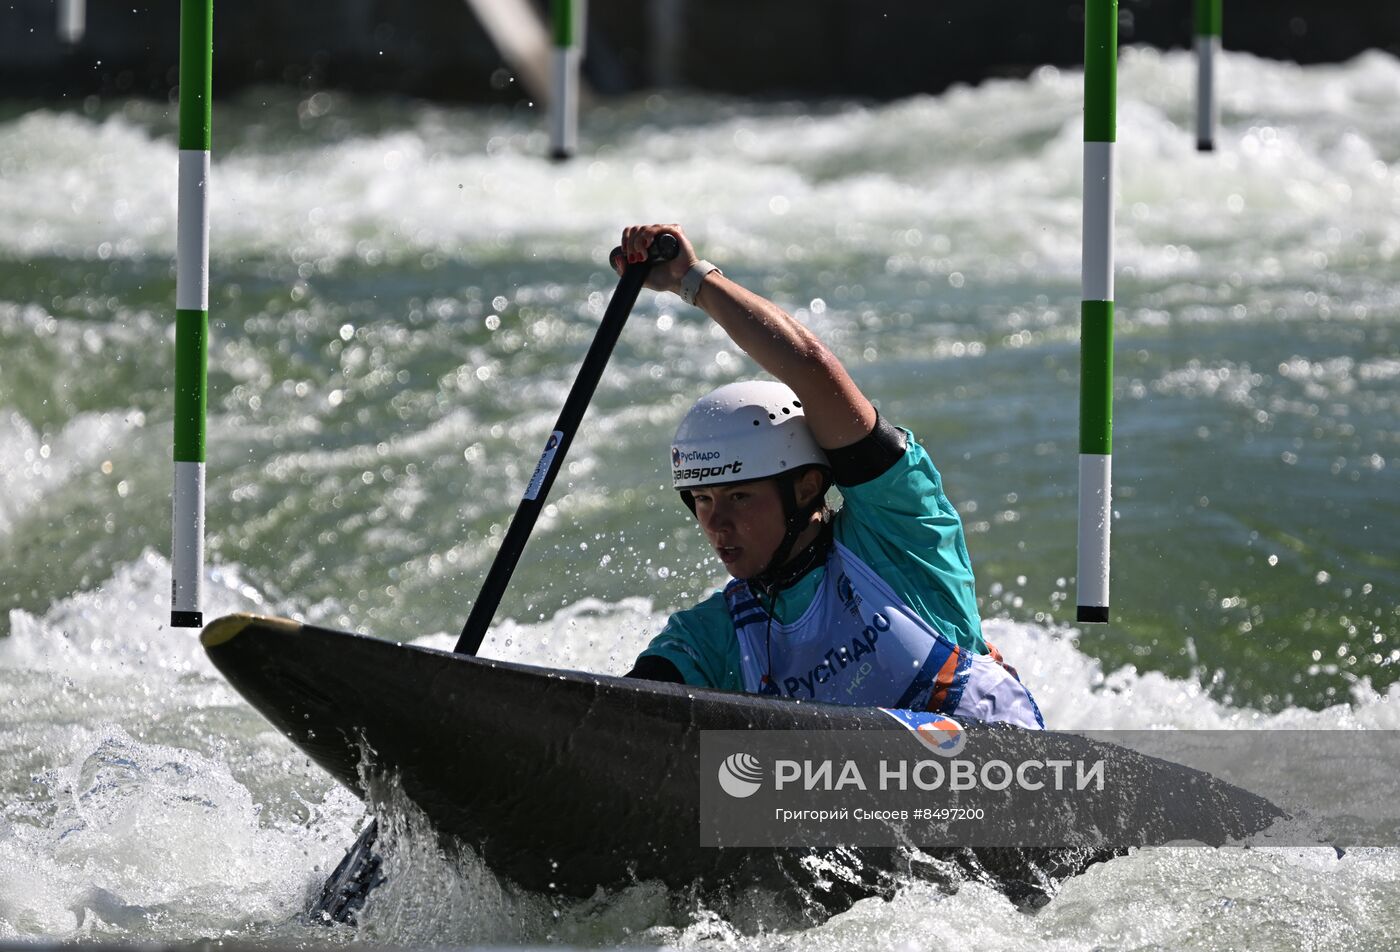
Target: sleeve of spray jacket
<point x="699" y="642"/>
<point x="904" y="527"/>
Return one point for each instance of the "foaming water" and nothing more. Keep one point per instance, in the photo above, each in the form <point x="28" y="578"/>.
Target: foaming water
<point x="36" y="465"/>
<point x="1155" y="898"/>
<point x="142" y="798"/>
<point x="155" y="805"/>
<point x="140" y="839"/>
<point x="1295" y="145"/>
<point x="401" y="294"/>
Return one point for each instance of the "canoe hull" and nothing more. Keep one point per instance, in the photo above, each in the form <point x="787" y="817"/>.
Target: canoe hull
<point x="562" y="781"/>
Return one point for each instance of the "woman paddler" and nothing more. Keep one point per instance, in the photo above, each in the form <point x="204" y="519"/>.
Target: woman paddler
<point x="871" y="605"/>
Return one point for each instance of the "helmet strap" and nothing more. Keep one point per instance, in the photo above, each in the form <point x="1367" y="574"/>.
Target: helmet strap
<point x="796" y="519"/>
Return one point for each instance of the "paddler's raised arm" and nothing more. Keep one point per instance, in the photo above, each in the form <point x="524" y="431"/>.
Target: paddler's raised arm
<point x="836" y="410"/>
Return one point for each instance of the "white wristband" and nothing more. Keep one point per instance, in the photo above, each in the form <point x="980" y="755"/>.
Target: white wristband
<point x="690" y="284"/>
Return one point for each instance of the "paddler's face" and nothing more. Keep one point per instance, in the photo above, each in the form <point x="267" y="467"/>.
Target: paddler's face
<point x="743" y="522"/>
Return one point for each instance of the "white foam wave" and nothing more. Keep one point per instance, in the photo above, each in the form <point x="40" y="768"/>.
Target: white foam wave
<point x="1075" y="693"/>
<point x="121" y="628"/>
<point x="1164" y="898"/>
<point x="132" y="837"/>
<point x="36" y="464"/>
<point x="85" y="189"/>
<point x="123" y="834"/>
<point x="926" y="182"/>
<point x="1073" y="690"/>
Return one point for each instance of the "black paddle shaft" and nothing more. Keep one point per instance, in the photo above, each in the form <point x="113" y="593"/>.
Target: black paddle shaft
<point x="664" y="248"/>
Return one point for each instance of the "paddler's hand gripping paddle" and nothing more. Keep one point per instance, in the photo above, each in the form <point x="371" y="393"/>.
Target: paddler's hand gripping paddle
<point x="664" y="248"/>
<point x="344" y="893"/>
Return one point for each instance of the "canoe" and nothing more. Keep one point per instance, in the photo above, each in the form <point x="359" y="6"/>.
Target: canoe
<point x="565" y="781"/>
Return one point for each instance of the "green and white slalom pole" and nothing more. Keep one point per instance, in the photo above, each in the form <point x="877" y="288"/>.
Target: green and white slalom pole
<point x="1208" y="22"/>
<point x="1096" y="310"/>
<point x="563" y="104"/>
<point x="191" y="310"/>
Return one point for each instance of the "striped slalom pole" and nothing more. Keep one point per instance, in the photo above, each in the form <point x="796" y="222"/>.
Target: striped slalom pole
<point x="1208" y="22"/>
<point x="1096" y="310"/>
<point x="191" y="310"/>
<point x="563" y="104"/>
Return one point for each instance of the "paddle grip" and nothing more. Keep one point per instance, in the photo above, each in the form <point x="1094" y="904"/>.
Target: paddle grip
<point x="629" y="285"/>
<point x="664" y="248"/>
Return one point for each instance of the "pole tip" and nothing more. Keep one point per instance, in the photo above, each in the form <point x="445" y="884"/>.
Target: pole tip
<point x="1205" y="146"/>
<point x="1093" y="614"/>
<point x="186" y="619"/>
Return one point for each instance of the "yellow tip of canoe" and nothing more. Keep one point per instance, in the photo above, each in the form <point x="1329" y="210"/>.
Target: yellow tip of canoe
<point x="225" y="629"/>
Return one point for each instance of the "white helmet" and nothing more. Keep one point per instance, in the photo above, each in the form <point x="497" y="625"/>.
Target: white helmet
<point x="743" y="431"/>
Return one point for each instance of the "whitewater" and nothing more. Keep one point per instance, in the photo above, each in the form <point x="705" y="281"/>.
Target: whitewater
<point x="401" y="293"/>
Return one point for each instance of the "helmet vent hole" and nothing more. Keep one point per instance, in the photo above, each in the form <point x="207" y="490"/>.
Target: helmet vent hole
<point x="797" y="403"/>
<point x="786" y="410"/>
<point x="772" y="416"/>
<point x="755" y="422"/>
